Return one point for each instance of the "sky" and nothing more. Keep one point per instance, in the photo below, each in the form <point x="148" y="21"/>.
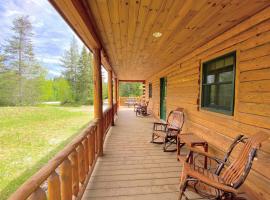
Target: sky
<point x="52" y="35"/>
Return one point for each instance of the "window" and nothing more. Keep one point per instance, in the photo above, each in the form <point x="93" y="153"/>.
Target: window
<point x="150" y="90"/>
<point x="218" y="84"/>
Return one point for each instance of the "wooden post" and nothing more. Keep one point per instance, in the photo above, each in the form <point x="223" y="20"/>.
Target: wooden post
<point x="81" y="163"/>
<point x="110" y="95"/>
<point x="75" y="172"/>
<point x="54" y="186"/>
<point x="86" y="155"/>
<point x="98" y="111"/>
<point x="116" y="93"/>
<point x="66" y="180"/>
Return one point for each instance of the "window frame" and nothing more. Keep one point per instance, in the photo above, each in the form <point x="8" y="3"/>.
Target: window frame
<point x="217" y="72"/>
<point x="150" y="90"/>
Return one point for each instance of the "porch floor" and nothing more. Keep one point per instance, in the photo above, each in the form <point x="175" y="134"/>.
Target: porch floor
<point x="132" y="167"/>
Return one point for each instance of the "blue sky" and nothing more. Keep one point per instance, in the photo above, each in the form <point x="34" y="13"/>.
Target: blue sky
<point x="52" y="35"/>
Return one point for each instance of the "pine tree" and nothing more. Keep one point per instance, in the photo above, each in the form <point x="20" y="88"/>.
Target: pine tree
<point x="70" y="61"/>
<point x="21" y="63"/>
<point x="85" y="78"/>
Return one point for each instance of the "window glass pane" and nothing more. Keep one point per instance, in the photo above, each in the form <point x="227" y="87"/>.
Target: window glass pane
<point x="212" y="99"/>
<point x="211" y="78"/>
<point x="218" y="79"/>
<point x="225" y="96"/>
<point x="209" y="98"/>
<point x="219" y="63"/>
<point x="229" y="60"/>
<point x="211" y="66"/>
<point x="225" y="76"/>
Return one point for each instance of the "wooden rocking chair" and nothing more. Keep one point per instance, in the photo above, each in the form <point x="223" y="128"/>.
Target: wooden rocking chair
<point x="168" y="131"/>
<point x="141" y="110"/>
<point x="224" y="182"/>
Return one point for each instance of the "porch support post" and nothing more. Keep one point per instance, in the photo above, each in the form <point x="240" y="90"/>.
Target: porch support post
<point x="110" y="94"/>
<point x="116" y="93"/>
<point x="98" y="110"/>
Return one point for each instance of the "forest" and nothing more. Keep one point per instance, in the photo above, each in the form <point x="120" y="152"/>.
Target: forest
<point x="24" y="81"/>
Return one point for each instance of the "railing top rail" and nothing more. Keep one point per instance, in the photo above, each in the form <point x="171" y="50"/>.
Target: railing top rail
<point x="38" y="178"/>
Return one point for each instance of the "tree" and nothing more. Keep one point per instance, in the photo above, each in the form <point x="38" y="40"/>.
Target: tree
<point x="130" y="89"/>
<point x="21" y="64"/>
<point x="85" y="79"/>
<point x="70" y="61"/>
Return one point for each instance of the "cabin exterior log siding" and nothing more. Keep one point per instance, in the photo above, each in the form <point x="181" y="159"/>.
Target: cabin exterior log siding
<point x="251" y="42"/>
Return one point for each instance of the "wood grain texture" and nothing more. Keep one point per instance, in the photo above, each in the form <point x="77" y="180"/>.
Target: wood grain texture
<point x="250" y="39"/>
<point x="126" y="29"/>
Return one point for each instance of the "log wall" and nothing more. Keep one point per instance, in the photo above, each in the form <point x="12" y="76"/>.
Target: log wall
<point x="251" y="41"/>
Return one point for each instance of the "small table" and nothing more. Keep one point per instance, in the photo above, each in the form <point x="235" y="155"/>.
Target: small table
<point x="191" y="140"/>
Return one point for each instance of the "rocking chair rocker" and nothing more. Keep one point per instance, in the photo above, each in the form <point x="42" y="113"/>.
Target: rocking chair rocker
<point x="168" y="131"/>
<point x="217" y="185"/>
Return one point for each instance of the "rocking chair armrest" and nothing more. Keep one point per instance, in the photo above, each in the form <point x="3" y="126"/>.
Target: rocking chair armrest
<point x="172" y="129"/>
<point x="160" y="126"/>
<point x="160" y="123"/>
<point x="203" y="153"/>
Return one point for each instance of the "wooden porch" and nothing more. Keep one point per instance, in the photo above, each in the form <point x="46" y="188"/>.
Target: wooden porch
<point x="181" y="46"/>
<point x="132" y="167"/>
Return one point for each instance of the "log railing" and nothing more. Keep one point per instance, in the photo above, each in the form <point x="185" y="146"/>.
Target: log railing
<point x="67" y="174"/>
<point x="108" y="116"/>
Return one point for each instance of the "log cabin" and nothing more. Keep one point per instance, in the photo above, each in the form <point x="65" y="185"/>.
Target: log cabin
<point x="210" y="57"/>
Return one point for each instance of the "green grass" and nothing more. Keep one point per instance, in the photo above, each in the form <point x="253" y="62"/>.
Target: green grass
<point x="30" y="136"/>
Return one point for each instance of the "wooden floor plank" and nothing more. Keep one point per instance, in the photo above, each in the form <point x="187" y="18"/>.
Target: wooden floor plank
<point x="132" y="167"/>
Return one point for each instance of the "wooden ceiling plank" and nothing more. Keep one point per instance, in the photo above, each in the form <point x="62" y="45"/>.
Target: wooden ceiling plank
<point x="185" y="25"/>
<point x="162" y="13"/>
<point x="132" y="22"/>
<point x="142" y="15"/>
<point x="113" y="7"/>
<point x="182" y="13"/>
<point x="123" y="13"/>
<point x="223" y="16"/>
<point x="153" y="12"/>
<point x="172" y="17"/>
<point x="106" y="22"/>
<point x="174" y="42"/>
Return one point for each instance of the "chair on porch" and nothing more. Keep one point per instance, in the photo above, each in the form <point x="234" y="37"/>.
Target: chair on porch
<point x="141" y="109"/>
<point x="224" y="182"/>
<point x="168" y="131"/>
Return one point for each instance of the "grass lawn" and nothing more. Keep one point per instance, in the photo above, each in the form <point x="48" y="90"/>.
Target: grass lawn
<point x="30" y="136"/>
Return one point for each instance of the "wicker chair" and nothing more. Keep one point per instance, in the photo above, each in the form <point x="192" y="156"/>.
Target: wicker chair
<point x="168" y="131"/>
<point x="224" y="182"/>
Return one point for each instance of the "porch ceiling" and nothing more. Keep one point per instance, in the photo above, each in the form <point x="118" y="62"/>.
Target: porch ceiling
<point x="125" y="29"/>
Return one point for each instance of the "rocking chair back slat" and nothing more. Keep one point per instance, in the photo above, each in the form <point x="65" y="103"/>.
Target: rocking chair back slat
<point x="176" y="119"/>
<point x="236" y="173"/>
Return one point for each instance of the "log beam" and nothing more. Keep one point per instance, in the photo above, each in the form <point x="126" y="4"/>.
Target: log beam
<point x="98" y="110"/>
<point x="110" y="93"/>
<point x="116" y="93"/>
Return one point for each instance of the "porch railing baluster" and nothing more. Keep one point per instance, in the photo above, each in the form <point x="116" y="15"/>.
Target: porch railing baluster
<point x="75" y="164"/>
<point x="54" y="191"/>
